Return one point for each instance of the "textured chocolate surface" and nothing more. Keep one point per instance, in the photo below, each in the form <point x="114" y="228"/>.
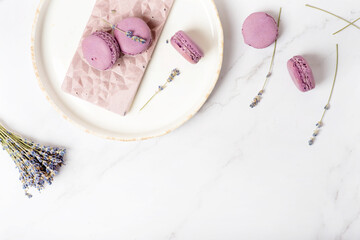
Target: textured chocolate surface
<point x="115" y="89"/>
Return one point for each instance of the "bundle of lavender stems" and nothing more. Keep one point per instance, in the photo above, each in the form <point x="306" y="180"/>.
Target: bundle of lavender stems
<point x="37" y="164"/>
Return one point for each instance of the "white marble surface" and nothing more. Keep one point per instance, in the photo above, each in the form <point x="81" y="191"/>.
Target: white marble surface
<point x="229" y="173"/>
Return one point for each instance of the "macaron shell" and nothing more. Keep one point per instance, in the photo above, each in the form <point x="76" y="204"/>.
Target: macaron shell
<point x="139" y="28"/>
<point x="260" y="30"/>
<point x="101" y="50"/>
<point x="187" y="47"/>
<point x="301" y="73"/>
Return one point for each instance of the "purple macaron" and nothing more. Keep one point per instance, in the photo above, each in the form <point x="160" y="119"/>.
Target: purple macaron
<point x="301" y="73"/>
<point x="187" y="47"/>
<point x="138" y="28"/>
<point x="260" y="30"/>
<point x="101" y="50"/>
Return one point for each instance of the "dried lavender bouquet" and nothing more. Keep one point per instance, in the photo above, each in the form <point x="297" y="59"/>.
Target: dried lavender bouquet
<point x="37" y="164"/>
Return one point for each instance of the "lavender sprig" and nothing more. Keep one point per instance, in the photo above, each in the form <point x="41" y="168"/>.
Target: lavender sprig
<point x="129" y="34"/>
<point x="171" y="78"/>
<point x="320" y="124"/>
<point x="349" y="22"/>
<point x="352" y="23"/>
<point x="37" y="164"/>
<point x="258" y="98"/>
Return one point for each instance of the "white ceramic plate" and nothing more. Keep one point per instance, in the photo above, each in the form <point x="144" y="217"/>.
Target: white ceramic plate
<point x="57" y="30"/>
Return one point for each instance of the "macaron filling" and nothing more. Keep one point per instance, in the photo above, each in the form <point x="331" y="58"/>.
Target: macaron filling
<point x="304" y="81"/>
<point x="187" y="47"/>
<point x="112" y="43"/>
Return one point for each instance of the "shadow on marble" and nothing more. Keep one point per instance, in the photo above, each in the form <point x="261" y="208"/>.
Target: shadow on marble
<point x="317" y="66"/>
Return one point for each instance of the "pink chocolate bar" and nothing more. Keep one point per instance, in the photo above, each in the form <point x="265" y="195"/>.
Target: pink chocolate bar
<point x="115" y="89"/>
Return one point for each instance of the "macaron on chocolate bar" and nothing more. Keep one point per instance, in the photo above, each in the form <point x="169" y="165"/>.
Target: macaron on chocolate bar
<point x="260" y="30"/>
<point x="187" y="47"/>
<point x="101" y="50"/>
<point x="137" y="27"/>
<point x="301" y="73"/>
